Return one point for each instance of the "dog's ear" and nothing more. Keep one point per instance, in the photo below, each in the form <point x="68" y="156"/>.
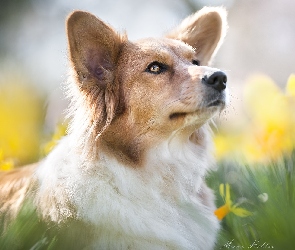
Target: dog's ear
<point x="94" y="49"/>
<point x="204" y="31"/>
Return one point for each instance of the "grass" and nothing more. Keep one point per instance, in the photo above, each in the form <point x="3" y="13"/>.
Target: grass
<point x="29" y="232"/>
<point x="267" y="190"/>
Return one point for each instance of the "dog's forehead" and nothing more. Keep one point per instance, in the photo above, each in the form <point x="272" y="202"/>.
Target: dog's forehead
<point x="165" y="46"/>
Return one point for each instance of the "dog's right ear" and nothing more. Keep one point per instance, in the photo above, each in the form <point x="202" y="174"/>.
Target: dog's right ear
<point x="93" y="47"/>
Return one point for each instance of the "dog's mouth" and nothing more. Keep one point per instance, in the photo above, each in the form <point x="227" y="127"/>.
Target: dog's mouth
<point x="216" y="103"/>
<point x="180" y="115"/>
<point x="177" y="115"/>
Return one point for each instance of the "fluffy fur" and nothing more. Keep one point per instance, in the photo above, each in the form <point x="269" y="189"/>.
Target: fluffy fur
<point x="132" y="167"/>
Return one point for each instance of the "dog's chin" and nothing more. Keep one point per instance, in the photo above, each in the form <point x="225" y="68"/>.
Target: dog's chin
<point x="207" y="110"/>
<point x="220" y="104"/>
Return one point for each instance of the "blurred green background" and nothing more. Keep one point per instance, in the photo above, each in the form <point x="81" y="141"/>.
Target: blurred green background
<point x="255" y="136"/>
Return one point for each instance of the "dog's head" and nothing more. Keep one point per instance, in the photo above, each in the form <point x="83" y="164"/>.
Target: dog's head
<point x="133" y="95"/>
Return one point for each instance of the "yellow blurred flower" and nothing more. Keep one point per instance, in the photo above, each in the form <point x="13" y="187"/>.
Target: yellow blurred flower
<point x="290" y="89"/>
<point x="228" y="206"/>
<point x="226" y="144"/>
<point x="270" y="130"/>
<point x="5" y="164"/>
<point x="271" y="114"/>
<point x="60" y="131"/>
<point x="21" y="118"/>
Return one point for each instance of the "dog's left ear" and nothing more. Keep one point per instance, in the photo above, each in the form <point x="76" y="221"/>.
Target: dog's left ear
<point x="204" y="31"/>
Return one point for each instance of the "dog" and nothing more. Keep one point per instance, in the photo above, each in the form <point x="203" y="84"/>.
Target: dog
<point x="139" y="144"/>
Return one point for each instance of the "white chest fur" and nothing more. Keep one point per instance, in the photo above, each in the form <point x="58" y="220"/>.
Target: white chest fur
<point x="155" y="207"/>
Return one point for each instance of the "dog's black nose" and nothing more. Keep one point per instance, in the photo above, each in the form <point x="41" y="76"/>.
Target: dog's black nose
<point x="217" y="80"/>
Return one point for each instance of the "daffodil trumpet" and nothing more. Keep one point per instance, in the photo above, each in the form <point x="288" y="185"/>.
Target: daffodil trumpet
<point x="228" y="207"/>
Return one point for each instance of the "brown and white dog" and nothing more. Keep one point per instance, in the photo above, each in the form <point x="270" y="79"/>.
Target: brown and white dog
<point x="139" y="145"/>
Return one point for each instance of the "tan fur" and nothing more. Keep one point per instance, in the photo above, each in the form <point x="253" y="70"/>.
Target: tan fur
<point x="14" y="186"/>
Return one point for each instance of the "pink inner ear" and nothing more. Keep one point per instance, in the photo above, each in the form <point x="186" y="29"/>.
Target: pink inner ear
<point x="98" y="64"/>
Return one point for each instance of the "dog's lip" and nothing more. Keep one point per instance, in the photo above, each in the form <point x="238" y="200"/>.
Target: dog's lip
<point x="181" y="114"/>
<point x="177" y="115"/>
<point x="218" y="102"/>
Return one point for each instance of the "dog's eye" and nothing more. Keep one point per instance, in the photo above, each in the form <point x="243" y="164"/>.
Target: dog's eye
<point x="196" y="62"/>
<point x="156" y="68"/>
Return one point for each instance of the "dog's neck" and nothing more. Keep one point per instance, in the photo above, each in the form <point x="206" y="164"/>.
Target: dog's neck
<point x="137" y="153"/>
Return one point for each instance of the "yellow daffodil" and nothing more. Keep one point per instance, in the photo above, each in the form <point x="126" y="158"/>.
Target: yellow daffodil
<point x="271" y="114"/>
<point x="60" y="131"/>
<point x="225" y="144"/>
<point x="228" y="206"/>
<point x="290" y="88"/>
<point x="5" y="164"/>
<point x="269" y="130"/>
<point x="21" y="120"/>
